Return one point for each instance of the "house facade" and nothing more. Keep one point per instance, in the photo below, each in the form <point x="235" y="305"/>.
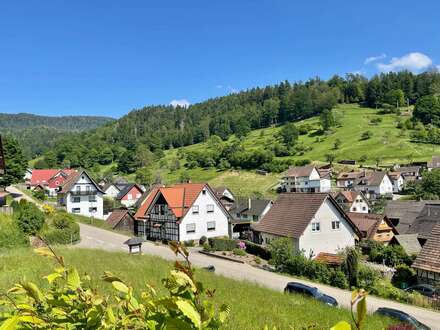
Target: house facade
<point x="130" y="194"/>
<point x="305" y="179"/>
<point x="245" y="212"/>
<point x="352" y="201"/>
<point x="397" y="180"/>
<point x="314" y="222"/>
<point x="110" y="190"/>
<point x="182" y="212"/>
<point x="79" y="194"/>
<point x="49" y="179"/>
<point x="374" y="184"/>
<point x="375" y="227"/>
<point x="347" y="180"/>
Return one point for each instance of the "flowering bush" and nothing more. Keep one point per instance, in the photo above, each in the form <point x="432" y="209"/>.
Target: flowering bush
<point x="241" y="245"/>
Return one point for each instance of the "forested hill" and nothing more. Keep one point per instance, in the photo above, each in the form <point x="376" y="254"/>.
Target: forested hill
<point x="64" y="123"/>
<point x="37" y="133"/>
<point x="139" y="138"/>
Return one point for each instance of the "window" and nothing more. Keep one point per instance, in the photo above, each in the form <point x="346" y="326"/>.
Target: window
<point x="210" y="208"/>
<point x="210" y="225"/>
<point x="336" y="224"/>
<point x="190" y="228"/>
<point x="315" y="226"/>
<point x="92" y="199"/>
<point x="354" y="209"/>
<point x="138" y="195"/>
<point x="255" y="217"/>
<point x="195" y="209"/>
<point x="364" y="208"/>
<point x="93" y="209"/>
<point x="203" y="192"/>
<point x="129" y="196"/>
<point x="76" y="199"/>
<point x="76" y="210"/>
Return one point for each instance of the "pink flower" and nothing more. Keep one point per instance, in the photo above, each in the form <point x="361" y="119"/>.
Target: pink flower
<point x="241" y="245"/>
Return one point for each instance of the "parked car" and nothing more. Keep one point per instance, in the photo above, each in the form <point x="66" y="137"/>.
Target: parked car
<point x="401" y="316"/>
<point x="424" y="289"/>
<point x="310" y="291"/>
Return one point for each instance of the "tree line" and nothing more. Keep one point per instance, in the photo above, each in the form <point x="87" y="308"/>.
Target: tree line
<point x="140" y="137"/>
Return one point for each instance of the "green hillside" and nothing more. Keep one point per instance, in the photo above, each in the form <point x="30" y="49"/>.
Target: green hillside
<point x="249" y="303"/>
<point x="389" y="143"/>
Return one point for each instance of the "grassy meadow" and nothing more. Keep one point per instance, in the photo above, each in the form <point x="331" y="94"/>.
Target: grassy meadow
<point x="252" y="306"/>
<point x="391" y="144"/>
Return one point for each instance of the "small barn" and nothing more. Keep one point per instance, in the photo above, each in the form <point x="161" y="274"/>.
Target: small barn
<point x="121" y="219"/>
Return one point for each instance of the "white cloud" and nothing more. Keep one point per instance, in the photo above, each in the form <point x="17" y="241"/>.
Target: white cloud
<point x="182" y="103"/>
<point x="412" y="62"/>
<point x="368" y="60"/>
<point x="219" y="86"/>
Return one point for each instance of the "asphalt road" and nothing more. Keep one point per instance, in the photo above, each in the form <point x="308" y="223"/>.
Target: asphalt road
<point x="95" y="238"/>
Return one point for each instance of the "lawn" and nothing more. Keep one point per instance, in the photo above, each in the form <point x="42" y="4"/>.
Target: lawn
<point x="252" y="306"/>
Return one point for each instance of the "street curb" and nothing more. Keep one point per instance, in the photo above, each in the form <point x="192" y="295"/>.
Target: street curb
<point x="221" y="257"/>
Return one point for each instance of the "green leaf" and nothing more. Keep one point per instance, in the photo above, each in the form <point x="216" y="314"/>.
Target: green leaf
<point x="45" y="252"/>
<point x="361" y="310"/>
<point x="33" y="291"/>
<point x="110" y="315"/>
<point x="341" y="326"/>
<point x="31" y="319"/>
<point x="121" y="287"/>
<point x="73" y="279"/>
<point x="52" y="277"/>
<point x="10" y="324"/>
<point x="189" y="311"/>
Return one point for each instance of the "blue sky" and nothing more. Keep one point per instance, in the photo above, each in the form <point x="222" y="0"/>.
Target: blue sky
<point x="108" y="57"/>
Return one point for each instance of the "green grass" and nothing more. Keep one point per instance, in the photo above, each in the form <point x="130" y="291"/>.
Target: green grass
<point x="252" y="306"/>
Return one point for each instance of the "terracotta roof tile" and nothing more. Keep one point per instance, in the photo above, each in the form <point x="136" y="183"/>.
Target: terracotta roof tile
<point x="116" y="216"/>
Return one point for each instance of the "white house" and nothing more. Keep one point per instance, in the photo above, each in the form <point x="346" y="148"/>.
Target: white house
<point x="348" y="179"/>
<point x="79" y="194"/>
<point x="314" y="222"/>
<point x="374" y="184"/>
<point x="305" y="179"/>
<point x="352" y="201"/>
<point x="182" y="212"/>
<point x="398" y="181"/>
<point x="110" y="190"/>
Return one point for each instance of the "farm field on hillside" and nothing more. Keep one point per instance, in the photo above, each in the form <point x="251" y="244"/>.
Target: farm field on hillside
<point x="252" y="307"/>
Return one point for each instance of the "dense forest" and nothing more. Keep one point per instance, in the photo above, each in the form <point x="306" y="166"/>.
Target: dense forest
<point x="140" y="137"/>
<point x="37" y="134"/>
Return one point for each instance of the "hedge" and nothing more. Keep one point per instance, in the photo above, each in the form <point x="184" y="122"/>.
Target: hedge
<point x="257" y="250"/>
<point x="222" y="244"/>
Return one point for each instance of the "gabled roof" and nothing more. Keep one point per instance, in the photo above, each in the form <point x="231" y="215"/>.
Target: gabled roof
<point x="299" y="171"/>
<point x="372" y="179"/>
<point x="329" y="259"/>
<point x="127" y="189"/>
<point x="350" y="175"/>
<point x="349" y="196"/>
<point x="117" y="216"/>
<point x="368" y="223"/>
<point x="292" y="212"/>
<point x="394" y="175"/>
<point x="179" y="198"/>
<point x="426" y="220"/>
<point x="429" y="257"/>
<point x="408" y="242"/>
<point x="257" y="206"/>
<point x="73" y="178"/>
<point x="108" y="185"/>
<point x="220" y="193"/>
<point x="42" y="176"/>
<point x="405" y="211"/>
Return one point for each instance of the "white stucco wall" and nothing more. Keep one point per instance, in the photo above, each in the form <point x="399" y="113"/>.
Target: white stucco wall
<point x="327" y="239"/>
<point x="84" y="205"/>
<point x="203" y="217"/>
<point x="360" y="205"/>
<point x="386" y="186"/>
<point x="111" y="191"/>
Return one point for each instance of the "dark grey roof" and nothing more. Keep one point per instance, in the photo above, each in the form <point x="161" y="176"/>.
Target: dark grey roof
<point x="408" y="242"/>
<point x="257" y="206"/>
<point x="405" y="212"/>
<point x="426" y="220"/>
<point x="134" y="241"/>
<point x="124" y="191"/>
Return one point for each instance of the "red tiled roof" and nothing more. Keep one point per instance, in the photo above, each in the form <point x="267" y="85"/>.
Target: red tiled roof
<point x="179" y="197"/>
<point x="42" y="176"/>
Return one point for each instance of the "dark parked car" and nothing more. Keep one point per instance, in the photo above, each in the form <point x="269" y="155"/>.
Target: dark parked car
<point x="401" y="316"/>
<point x="424" y="289"/>
<point x="295" y="287"/>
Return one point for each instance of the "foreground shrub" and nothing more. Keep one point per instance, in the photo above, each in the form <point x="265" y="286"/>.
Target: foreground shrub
<point x="404" y="276"/>
<point x="70" y="302"/>
<point x="29" y="218"/>
<point x="61" y="229"/>
<point x="239" y="252"/>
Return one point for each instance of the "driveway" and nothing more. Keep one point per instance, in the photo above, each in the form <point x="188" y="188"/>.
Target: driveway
<point x="92" y="237"/>
<point x="18" y="195"/>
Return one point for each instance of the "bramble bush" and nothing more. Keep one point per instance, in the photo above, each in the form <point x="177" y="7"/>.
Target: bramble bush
<point x="29" y="218"/>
